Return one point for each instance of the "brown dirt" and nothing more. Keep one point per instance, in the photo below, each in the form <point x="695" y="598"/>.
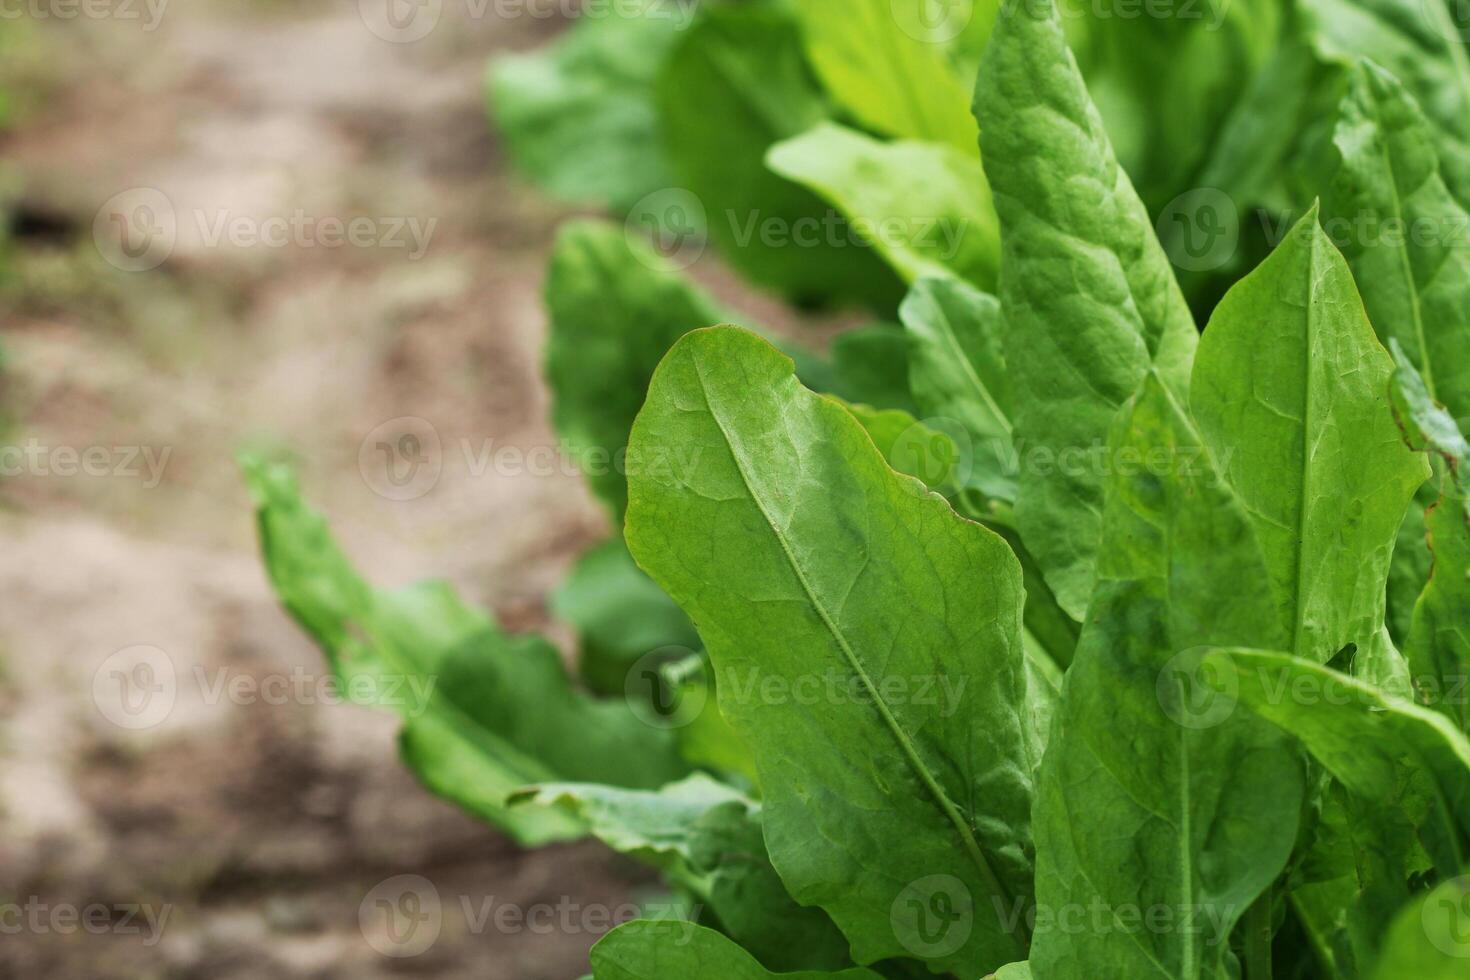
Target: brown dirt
<point x="262" y="827"/>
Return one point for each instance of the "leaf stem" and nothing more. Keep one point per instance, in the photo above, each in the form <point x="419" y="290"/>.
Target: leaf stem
<point x="1258" y="937"/>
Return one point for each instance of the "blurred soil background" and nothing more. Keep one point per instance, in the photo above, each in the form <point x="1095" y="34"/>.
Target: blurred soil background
<point x="261" y="827"/>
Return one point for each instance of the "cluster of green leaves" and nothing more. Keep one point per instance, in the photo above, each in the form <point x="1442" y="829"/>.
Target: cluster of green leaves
<point x="1199" y="604"/>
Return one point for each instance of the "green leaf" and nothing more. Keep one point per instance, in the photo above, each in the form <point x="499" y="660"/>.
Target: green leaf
<point x="1412" y="563"/>
<point x="1420" y="44"/>
<point x="890" y="80"/>
<point x="870" y="365"/>
<point x="735" y="84"/>
<point x="1440" y="918"/>
<point x="1287" y="110"/>
<point x="579" y="117"/>
<point x="836" y="574"/>
<point x="654" y="826"/>
<point x="1149" y="798"/>
<point x="1438" y="645"/>
<point x="1013" y="971"/>
<point x="958" y="375"/>
<point x="616" y="307"/>
<point x="1402" y="232"/>
<point x="1425" y="424"/>
<point x="1290" y="391"/>
<point x="957" y="371"/>
<point x="644" y="950"/>
<point x="1166" y="83"/>
<point x="619" y="614"/>
<point x="752" y="903"/>
<point x="925" y="207"/>
<point x="1385" y="750"/>
<point x="1089" y="299"/>
<point x="911" y="447"/>
<point x="1327" y="889"/>
<point x="484" y="713"/>
<point x="708" y="740"/>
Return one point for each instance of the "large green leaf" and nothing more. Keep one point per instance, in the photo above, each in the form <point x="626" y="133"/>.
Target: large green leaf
<point x="736" y="84"/>
<point x="925" y="207"/>
<point x="1438" y="645"/>
<point x="707" y="837"/>
<point x="1149" y="797"/>
<point x="1290" y="390"/>
<point x="616" y="307"/>
<point x="889" y="79"/>
<point x="484" y="713"/>
<point x="1402" y="232"/>
<point x="579" y="116"/>
<point x="1089" y="299"/>
<point x="866" y="643"/>
<point x="643" y="950"/>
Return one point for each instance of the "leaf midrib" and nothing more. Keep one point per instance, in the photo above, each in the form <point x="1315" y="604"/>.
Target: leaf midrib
<point x="1299" y="619"/>
<point x="906" y="745"/>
